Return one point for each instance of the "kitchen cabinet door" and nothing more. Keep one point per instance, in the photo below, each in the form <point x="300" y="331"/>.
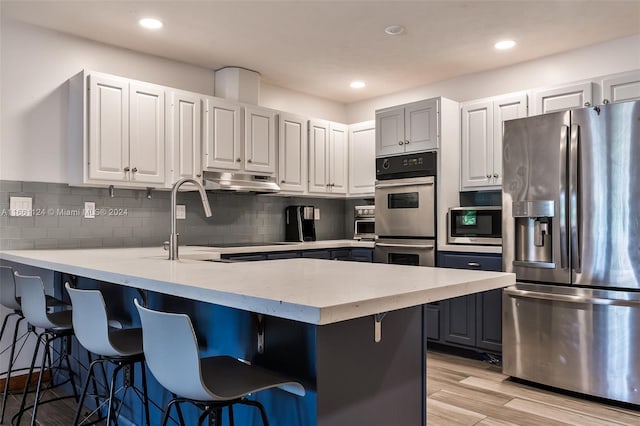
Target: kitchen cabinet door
<point x="489" y="320"/>
<point x="222" y="135"/>
<point x="459" y="316"/>
<point x="318" y="156"/>
<point x="108" y="145"/>
<point x="477" y="144"/>
<point x="505" y="108"/>
<point x="292" y="153"/>
<point x="421" y="126"/>
<point x="338" y="140"/>
<point x="186" y="135"/>
<point x="147" y="133"/>
<point x="362" y="158"/>
<point x="562" y="98"/>
<point x="621" y="87"/>
<point x="259" y="140"/>
<point x="390" y="131"/>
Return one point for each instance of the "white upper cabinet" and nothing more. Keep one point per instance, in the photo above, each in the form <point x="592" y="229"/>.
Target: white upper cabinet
<point x="259" y="140"/>
<point x="222" y="135"/>
<point x="562" y="98"/>
<point x="327" y="157"/>
<point x="185" y="131"/>
<point x="481" y="156"/>
<point x="621" y="87"/>
<point x="362" y="158"/>
<point x="126" y="133"/>
<point x="292" y="153"/>
<point x="407" y="128"/>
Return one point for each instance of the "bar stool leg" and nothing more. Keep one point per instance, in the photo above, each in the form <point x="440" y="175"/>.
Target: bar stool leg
<point x="145" y="396"/>
<point x="112" y="391"/>
<point x="85" y="388"/>
<point x="11" y="361"/>
<point x="23" y="403"/>
<point x="46" y="356"/>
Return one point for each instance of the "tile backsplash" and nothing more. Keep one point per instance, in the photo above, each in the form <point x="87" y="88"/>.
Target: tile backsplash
<point x="130" y="219"/>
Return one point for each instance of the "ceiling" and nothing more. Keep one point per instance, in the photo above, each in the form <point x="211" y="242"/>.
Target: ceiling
<point x="319" y="47"/>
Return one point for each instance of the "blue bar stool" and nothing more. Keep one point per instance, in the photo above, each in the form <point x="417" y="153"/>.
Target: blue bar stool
<point x="210" y="383"/>
<point x="55" y="325"/>
<point x="120" y="347"/>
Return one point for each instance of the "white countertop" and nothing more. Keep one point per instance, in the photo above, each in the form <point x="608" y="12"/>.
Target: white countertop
<point x="308" y="290"/>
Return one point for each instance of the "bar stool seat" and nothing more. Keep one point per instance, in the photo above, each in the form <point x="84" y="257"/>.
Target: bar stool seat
<point x="120" y="347"/>
<point x="55" y="325"/>
<point x="210" y="383"/>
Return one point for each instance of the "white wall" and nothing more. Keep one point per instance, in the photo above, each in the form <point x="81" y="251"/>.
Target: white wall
<point x="35" y="66"/>
<point x="580" y="64"/>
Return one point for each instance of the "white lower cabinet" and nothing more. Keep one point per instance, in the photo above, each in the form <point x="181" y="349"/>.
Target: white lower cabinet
<point x="292" y="153"/>
<point x="327" y="157"/>
<point x="362" y="158"/>
<point x="124" y="140"/>
<point x="481" y="151"/>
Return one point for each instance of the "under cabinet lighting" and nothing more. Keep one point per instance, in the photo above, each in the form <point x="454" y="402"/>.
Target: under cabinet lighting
<point x="150" y="23"/>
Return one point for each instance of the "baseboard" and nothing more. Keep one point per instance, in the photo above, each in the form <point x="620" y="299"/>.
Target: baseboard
<point x="18" y="382"/>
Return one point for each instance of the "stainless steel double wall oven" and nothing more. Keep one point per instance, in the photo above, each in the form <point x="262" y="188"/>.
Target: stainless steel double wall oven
<point x="406" y="209"/>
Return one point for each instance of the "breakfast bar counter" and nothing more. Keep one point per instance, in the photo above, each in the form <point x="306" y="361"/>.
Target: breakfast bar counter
<point x="352" y="332"/>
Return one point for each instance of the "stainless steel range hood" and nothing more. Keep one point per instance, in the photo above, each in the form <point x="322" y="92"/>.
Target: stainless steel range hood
<point x="239" y="182"/>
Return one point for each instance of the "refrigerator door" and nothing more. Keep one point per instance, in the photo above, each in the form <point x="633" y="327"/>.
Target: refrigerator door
<point x="534" y="220"/>
<point x="573" y="338"/>
<point x="605" y="196"/>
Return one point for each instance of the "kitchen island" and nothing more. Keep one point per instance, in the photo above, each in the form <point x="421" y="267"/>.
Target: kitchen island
<point x="353" y="333"/>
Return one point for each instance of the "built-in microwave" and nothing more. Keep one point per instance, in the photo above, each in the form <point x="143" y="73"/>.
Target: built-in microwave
<point x="475" y="225"/>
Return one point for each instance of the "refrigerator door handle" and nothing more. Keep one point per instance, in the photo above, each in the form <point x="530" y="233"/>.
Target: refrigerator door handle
<point x="564" y="246"/>
<point x="574" y="197"/>
<point x="527" y="294"/>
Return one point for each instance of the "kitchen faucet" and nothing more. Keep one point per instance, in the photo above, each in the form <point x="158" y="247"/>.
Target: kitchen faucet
<point x="173" y="238"/>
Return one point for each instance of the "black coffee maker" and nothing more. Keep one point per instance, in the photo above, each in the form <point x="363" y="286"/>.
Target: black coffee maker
<point x="299" y="223"/>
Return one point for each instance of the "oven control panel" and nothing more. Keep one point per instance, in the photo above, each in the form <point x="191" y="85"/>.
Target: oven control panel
<point x="406" y="166"/>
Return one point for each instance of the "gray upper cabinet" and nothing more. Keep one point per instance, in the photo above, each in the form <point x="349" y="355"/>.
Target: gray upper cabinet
<point x="407" y="128"/>
<point x="621" y="87"/>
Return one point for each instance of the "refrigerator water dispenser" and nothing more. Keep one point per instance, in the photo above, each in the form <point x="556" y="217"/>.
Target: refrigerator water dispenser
<point x="533" y="222"/>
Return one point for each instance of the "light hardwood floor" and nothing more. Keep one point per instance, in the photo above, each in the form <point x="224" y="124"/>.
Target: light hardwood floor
<point x="460" y="391"/>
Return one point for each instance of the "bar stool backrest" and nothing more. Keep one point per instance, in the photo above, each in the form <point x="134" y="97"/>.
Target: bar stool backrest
<point x="171" y="351"/>
<point x="33" y="300"/>
<point x="90" y="321"/>
<point x="8" y="295"/>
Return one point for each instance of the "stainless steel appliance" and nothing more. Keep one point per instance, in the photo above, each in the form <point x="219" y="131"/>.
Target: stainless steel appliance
<point x="475" y="225"/>
<point x="571" y="227"/>
<point x="406" y="209"/>
<point x="364" y="223"/>
<point x="300" y="223"/>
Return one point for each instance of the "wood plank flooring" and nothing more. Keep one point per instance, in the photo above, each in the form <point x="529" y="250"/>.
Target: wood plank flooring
<point x="460" y="391"/>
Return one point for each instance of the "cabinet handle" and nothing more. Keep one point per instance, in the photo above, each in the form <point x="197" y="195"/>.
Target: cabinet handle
<point x="473" y="264"/>
<point x="281" y="181"/>
<point x="135" y="169"/>
<point x="406" y="142"/>
<point x="495" y="175"/>
<point x="605" y="101"/>
<point x="249" y="161"/>
<point x="587" y="104"/>
<point x="126" y="169"/>
<point x="488" y="175"/>
<point x="237" y="160"/>
<point x="400" y="142"/>
<point x="198" y="175"/>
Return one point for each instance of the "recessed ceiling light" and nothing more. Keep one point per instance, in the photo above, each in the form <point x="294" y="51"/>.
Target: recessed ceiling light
<point x="357" y="84"/>
<point x="150" y="23"/>
<point x="505" y="44"/>
<point x="394" y="30"/>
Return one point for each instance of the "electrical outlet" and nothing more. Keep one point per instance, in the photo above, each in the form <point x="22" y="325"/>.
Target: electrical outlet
<point x="181" y="211"/>
<point x="316" y="214"/>
<point x="90" y="210"/>
<point x="20" y="206"/>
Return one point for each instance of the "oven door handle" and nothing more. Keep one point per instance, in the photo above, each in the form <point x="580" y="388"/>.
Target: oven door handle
<point x="414" y="246"/>
<point x="396" y="185"/>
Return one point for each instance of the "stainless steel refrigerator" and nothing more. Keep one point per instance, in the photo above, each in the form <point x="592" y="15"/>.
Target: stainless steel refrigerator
<point x="571" y="233"/>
